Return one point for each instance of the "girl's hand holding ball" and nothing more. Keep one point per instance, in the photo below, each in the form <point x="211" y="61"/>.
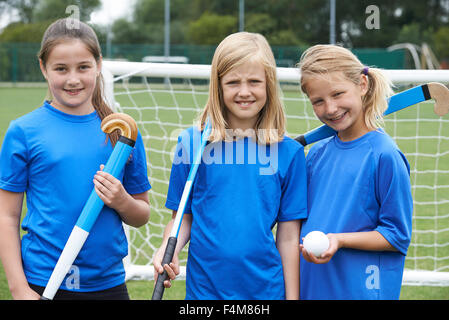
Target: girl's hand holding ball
<point x="318" y="247"/>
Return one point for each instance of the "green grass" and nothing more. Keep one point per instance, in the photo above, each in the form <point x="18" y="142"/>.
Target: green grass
<point x="15" y="102"/>
<point x="143" y="290"/>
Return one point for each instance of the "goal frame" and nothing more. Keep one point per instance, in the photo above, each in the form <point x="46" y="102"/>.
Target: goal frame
<point x="116" y="70"/>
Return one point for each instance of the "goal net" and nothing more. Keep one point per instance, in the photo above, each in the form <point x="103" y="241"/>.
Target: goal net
<point x="165" y="99"/>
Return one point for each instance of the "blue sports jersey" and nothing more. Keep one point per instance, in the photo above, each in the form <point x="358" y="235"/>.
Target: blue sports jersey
<point x="53" y="157"/>
<point x="361" y="185"/>
<point x="241" y="190"/>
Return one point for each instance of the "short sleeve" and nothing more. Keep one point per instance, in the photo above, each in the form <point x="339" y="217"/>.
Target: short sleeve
<point x="294" y="189"/>
<point x="396" y="203"/>
<point x="14" y="160"/>
<point x="135" y="179"/>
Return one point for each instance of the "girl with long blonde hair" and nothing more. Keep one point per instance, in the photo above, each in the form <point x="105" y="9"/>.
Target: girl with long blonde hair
<point x="251" y="178"/>
<point x="358" y="183"/>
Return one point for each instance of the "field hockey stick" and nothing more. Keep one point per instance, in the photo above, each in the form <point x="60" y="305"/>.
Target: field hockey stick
<point x="94" y="204"/>
<point x="433" y="90"/>
<point x="159" y="288"/>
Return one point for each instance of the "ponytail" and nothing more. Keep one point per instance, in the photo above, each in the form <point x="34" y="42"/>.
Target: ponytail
<point x="375" y="100"/>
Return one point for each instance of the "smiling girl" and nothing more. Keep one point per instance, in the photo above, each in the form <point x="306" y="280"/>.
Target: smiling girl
<point x="234" y="205"/>
<point x="358" y="183"/>
<point x="54" y="155"/>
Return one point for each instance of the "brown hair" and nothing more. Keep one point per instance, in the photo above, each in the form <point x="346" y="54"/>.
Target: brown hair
<point x="235" y="50"/>
<point x="321" y="60"/>
<point x="63" y="30"/>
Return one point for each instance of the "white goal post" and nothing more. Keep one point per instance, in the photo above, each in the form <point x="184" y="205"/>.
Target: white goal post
<point x="162" y="109"/>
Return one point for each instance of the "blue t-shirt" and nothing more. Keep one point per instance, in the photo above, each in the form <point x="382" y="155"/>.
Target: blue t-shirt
<point x="361" y="185"/>
<point x="241" y="190"/>
<point x="52" y="157"/>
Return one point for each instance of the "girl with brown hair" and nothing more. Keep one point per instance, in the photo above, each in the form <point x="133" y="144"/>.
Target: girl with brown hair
<point x="54" y="155"/>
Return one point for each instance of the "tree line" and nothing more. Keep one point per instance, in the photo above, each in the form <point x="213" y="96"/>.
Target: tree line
<point x="282" y="22"/>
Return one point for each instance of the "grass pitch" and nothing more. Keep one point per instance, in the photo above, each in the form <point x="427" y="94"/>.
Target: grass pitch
<point x="17" y="101"/>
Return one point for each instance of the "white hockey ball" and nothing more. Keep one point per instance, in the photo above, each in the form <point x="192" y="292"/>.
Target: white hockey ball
<point x="316" y="242"/>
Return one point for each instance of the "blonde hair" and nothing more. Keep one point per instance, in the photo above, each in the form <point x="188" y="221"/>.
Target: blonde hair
<point x="236" y="50"/>
<point x="325" y="59"/>
<point x="61" y="31"/>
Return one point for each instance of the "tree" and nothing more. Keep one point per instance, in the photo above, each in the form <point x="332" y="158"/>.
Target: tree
<point x="287" y="22"/>
<point x="55" y="9"/>
<point x="126" y="32"/>
<point x="31" y="11"/>
<point x="283" y="22"/>
<point x="24" y="32"/>
<point x="146" y="25"/>
<point x="398" y="19"/>
<point x="34" y="21"/>
<point x="441" y="41"/>
<point x="261" y="23"/>
<point x="23" y="7"/>
<point x="211" y="28"/>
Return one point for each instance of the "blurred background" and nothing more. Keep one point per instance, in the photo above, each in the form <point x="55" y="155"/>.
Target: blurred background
<point x="391" y="34"/>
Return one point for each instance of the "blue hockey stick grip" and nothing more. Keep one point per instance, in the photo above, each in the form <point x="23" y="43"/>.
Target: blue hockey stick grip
<point x="114" y="166"/>
<point x="396" y="102"/>
<point x="407" y="98"/>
